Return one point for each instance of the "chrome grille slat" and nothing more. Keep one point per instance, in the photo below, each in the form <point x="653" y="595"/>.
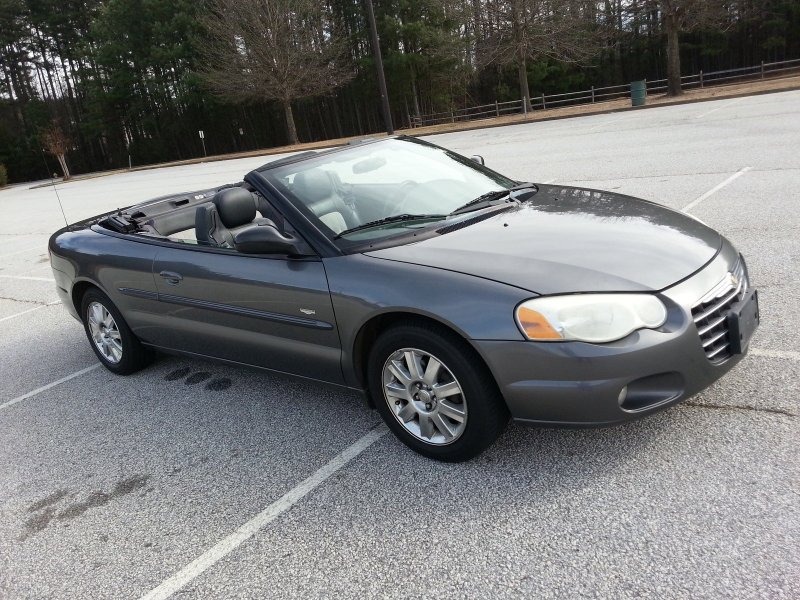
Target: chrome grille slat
<point x="710" y="312"/>
<point x="715" y="307"/>
<point x="711" y="325"/>
<point x="716" y="338"/>
<point x="718" y="350"/>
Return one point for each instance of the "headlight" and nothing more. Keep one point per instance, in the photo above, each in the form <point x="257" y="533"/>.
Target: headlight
<point x="593" y="318"/>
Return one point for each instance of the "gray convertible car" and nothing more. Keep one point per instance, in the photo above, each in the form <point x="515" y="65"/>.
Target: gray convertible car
<point x="452" y="297"/>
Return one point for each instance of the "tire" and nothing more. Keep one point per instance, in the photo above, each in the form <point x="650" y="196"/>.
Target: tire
<point x="452" y="428"/>
<point x="117" y="348"/>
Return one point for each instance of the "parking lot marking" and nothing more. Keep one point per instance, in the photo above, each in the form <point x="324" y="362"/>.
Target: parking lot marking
<point x="726" y="105"/>
<point x="775" y="353"/>
<point x="599" y="125"/>
<point x="30" y="310"/>
<point x="41" y="247"/>
<point x="227" y="545"/>
<point x="715" y="189"/>
<point x="27" y="278"/>
<point x="44" y="388"/>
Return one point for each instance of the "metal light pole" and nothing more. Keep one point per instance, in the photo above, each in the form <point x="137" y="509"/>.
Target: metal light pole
<point x="376" y="53"/>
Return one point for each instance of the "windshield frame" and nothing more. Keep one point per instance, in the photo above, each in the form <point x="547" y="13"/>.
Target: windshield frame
<point x="400" y="237"/>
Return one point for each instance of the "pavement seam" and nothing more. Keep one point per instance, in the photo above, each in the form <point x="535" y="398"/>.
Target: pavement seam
<point x="774" y="411"/>
<point x="25" y="301"/>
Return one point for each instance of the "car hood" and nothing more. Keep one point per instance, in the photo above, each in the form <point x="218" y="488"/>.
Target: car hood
<point x="565" y="240"/>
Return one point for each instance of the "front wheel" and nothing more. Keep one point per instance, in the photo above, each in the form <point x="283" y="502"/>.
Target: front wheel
<point x="434" y="392"/>
<point x="110" y="337"/>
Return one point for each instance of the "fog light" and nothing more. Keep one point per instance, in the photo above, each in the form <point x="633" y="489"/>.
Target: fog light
<point x="623" y="393"/>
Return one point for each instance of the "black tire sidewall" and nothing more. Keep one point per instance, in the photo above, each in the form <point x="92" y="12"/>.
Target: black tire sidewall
<point x="487" y="414"/>
<point x="134" y="356"/>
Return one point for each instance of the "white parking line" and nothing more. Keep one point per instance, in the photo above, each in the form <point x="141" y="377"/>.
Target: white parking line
<point x="715" y="189"/>
<point x="775" y="353"/>
<point x="227" y="545"/>
<point x="726" y="105"/>
<point x="26" y="278"/>
<point x="42" y="247"/>
<point x="30" y="310"/>
<point x="44" y="388"/>
<point x="611" y="122"/>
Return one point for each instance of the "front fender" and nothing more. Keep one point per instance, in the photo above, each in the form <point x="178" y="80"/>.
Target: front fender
<point x="364" y="287"/>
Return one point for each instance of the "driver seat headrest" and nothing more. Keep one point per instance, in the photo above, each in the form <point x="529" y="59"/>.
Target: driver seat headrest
<point x="313" y="185"/>
<point x="236" y="207"/>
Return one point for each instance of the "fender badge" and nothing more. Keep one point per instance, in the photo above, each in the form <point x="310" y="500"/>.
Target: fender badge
<point x="308" y="311"/>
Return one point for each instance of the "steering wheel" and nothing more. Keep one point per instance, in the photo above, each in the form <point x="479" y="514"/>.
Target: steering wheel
<point x="400" y="195"/>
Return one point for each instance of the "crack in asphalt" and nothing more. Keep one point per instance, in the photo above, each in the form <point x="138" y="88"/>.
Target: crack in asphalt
<point x="25" y="301"/>
<point x="774" y="411"/>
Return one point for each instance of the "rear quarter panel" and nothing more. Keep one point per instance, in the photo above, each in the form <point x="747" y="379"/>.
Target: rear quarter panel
<point x="82" y="255"/>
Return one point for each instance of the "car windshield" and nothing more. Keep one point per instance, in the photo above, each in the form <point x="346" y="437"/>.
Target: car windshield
<point x="376" y="190"/>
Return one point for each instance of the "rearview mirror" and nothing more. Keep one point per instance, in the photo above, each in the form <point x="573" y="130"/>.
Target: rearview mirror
<point x="368" y="164"/>
<point x="478" y="159"/>
<point x="264" y="238"/>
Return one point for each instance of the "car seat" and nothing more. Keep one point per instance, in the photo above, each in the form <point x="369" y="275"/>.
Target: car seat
<point x="316" y="190"/>
<point x="218" y="221"/>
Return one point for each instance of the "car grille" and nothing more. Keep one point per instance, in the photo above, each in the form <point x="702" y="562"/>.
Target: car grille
<point x="711" y="313"/>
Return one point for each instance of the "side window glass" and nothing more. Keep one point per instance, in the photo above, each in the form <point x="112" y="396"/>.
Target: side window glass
<point x="187" y="236"/>
<point x="268" y="211"/>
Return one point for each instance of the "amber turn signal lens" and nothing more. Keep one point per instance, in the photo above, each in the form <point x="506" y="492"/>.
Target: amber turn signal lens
<point x="535" y="326"/>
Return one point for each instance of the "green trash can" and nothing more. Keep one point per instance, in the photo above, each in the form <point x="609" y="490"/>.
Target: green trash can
<point x="638" y="93"/>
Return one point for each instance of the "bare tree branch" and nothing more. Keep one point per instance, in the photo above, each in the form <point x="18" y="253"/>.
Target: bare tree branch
<point x="279" y="50"/>
<point x="530" y="30"/>
<point x="683" y="16"/>
<point x="57" y="143"/>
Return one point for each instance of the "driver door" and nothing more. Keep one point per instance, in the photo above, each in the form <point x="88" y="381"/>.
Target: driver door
<point x="270" y="311"/>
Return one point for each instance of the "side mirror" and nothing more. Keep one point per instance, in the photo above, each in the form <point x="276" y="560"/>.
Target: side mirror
<point x="478" y="159"/>
<point x="264" y="239"/>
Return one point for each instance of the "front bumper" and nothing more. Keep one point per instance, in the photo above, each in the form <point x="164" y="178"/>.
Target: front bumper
<point x="580" y="384"/>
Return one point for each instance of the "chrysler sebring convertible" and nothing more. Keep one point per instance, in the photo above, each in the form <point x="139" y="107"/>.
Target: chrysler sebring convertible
<point x="453" y="298"/>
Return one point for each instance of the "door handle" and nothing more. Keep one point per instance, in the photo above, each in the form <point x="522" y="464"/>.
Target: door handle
<point x="171" y="277"/>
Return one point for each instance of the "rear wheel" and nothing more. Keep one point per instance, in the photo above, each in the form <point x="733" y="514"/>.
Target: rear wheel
<point x="113" y="342"/>
<point x="434" y="392"/>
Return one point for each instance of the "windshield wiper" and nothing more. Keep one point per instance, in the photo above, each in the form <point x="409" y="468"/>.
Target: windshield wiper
<point x="389" y="219"/>
<point x="486" y="199"/>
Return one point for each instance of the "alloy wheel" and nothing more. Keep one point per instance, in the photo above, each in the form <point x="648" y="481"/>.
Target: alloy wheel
<point x="424" y="396"/>
<point x="104" y="331"/>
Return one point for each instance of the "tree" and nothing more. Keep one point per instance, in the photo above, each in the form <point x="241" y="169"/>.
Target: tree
<point x="280" y="50"/>
<point x="683" y="16"/>
<point x="532" y="30"/>
<point x="125" y="74"/>
<point x="57" y="143"/>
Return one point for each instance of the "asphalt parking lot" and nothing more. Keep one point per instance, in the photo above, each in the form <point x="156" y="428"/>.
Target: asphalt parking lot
<point x="215" y="482"/>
